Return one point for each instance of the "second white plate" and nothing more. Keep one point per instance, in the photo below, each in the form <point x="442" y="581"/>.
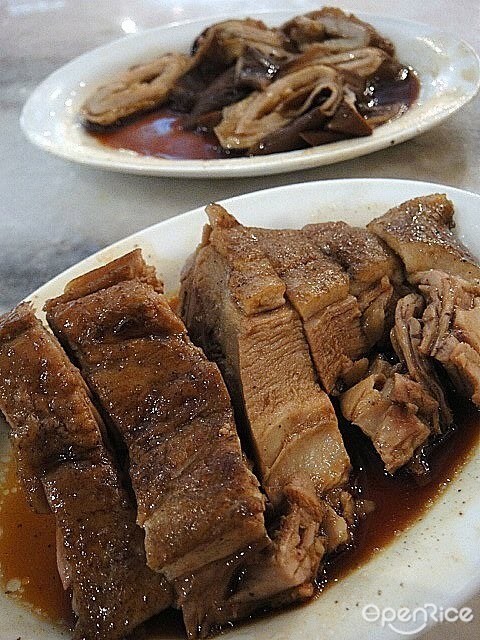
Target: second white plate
<point x="448" y="68"/>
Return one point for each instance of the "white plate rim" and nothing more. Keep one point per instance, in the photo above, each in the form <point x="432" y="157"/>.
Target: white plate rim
<point x="124" y="161"/>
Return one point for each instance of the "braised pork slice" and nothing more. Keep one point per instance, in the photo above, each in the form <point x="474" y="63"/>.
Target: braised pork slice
<point x="233" y="304"/>
<point x="269" y="574"/>
<point x="375" y="272"/>
<point x="451" y="328"/>
<point x="317" y="288"/>
<point x="397" y="413"/>
<point x="196" y="498"/>
<point x="420" y="232"/>
<point x="64" y="466"/>
<point x="365" y="258"/>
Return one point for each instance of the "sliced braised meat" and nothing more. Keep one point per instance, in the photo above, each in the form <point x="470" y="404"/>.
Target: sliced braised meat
<point x="64" y="465"/>
<point x="141" y="88"/>
<point x="420" y="232"/>
<point x="233" y="303"/>
<point x="196" y="498"/>
<point x="270" y="574"/>
<point x="229" y="40"/>
<point x="261" y="349"/>
<point x="334" y="31"/>
<point x="312" y="280"/>
<point x="451" y="328"/>
<point x="394" y="411"/>
<point x="376" y="305"/>
<point x="247" y="122"/>
<point x="318" y="290"/>
<point x="366" y="258"/>
<point x="406" y="339"/>
<point x="374" y="270"/>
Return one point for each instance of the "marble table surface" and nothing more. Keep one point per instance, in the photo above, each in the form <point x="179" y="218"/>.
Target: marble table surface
<point x="54" y="213"/>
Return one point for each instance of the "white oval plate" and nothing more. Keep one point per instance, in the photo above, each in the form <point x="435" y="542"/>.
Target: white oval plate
<point x="448" y="68"/>
<point x="438" y="559"/>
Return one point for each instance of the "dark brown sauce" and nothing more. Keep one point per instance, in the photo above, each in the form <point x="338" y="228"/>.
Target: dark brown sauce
<point x="28" y="555"/>
<point x="160" y="133"/>
<point x="399" y="500"/>
<point x="27" y="543"/>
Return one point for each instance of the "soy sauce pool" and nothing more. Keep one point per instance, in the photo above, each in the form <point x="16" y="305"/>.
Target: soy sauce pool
<point x="399" y="500"/>
<point x="28" y="562"/>
<point x="161" y="133"/>
<point x="27" y="540"/>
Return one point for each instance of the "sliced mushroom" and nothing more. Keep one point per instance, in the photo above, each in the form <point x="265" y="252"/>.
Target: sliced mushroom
<point x="347" y="119"/>
<point x="289" y="137"/>
<point x="141" y="88"/>
<point x="335" y="30"/>
<point x="245" y="123"/>
<point x="256" y="70"/>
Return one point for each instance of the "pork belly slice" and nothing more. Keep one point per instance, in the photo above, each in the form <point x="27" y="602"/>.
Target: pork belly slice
<point x="261" y="349"/>
<point x="420" y="232"/>
<point x="397" y="413"/>
<point x="197" y="500"/>
<point x="375" y="272"/>
<point x="451" y="328"/>
<point x="317" y="288"/>
<point x="64" y="466"/>
<point x="365" y="258"/>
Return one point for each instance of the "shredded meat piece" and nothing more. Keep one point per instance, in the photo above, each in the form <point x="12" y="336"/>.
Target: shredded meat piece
<point x="451" y="324"/>
<point x="406" y="339"/>
<point x="270" y="574"/>
<point x="394" y="411"/>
